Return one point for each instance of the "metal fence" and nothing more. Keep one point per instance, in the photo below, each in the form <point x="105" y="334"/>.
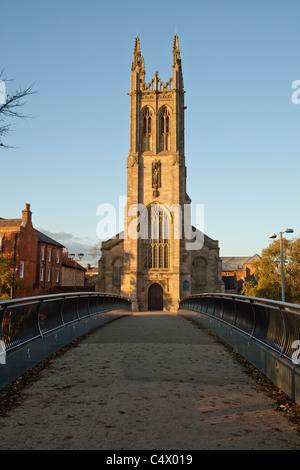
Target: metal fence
<point x="22" y="320"/>
<point x="273" y="324"/>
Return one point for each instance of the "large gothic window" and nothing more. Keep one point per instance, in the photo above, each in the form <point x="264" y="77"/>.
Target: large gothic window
<point x="156" y="249"/>
<point x="199" y="272"/>
<point x="117" y="270"/>
<point x="164" y="128"/>
<point x="147" y="130"/>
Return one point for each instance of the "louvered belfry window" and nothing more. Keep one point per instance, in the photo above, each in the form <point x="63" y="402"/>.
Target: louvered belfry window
<point x="147" y="130"/>
<point x="164" y="143"/>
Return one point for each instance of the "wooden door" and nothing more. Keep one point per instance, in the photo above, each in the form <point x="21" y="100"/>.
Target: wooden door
<point x="155" y="297"/>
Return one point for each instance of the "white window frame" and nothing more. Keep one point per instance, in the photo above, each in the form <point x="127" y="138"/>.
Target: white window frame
<point x="22" y="269"/>
<point x="57" y="276"/>
<point x="49" y="275"/>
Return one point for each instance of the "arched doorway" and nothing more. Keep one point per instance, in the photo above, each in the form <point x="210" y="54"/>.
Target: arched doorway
<point x="155" y="297"/>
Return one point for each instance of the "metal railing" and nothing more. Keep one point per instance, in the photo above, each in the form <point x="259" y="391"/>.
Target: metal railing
<point x="22" y="320"/>
<point x="274" y="324"/>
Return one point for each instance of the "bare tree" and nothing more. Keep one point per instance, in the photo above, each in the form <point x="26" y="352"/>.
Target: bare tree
<point x="96" y="252"/>
<point x="10" y="107"/>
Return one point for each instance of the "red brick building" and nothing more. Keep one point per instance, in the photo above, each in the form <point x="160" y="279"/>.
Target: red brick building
<point x="19" y="241"/>
<point x="49" y="263"/>
<point x="37" y="259"/>
<point x="235" y="269"/>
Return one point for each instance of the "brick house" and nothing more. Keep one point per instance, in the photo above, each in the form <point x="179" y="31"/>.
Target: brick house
<point x="235" y="269"/>
<point x="49" y="263"/>
<point x="36" y="257"/>
<point x="18" y="241"/>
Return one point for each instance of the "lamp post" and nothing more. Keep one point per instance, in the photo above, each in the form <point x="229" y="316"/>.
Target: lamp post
<point x="72" y="256"/>
<point x="274" y="235"/>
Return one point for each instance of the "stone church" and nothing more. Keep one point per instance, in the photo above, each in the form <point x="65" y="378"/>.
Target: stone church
<point x="154" y="261"/>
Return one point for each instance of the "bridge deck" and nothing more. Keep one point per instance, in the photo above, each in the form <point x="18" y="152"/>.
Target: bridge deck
<point x="146" y="381"/>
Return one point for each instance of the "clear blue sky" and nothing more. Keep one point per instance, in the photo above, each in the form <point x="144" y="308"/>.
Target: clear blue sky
<point x="242" y="130"/>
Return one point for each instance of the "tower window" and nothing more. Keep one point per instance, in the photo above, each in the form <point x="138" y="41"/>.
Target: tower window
<point x="147" y="131"/>
<point x="164" y="143"/>
<point x="157" y="247"/>
<point x="117" y="270"/>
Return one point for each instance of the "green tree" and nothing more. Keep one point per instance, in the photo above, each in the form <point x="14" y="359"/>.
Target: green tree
<point x="6" y="272"/>
<point x="6" y="278"/>
<point x="267" y="283"/>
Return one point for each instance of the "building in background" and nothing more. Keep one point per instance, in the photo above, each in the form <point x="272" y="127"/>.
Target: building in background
<point x="19" y="243"/>
<point x="237" y="269"/>
<point x="49" y="264"/>
<point x="73" y="274"/>
<point x="38" y="260"/>
<point x="91" y="276"/>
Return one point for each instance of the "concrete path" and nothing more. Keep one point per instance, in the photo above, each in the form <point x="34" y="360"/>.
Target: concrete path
<point x="146" y="382"/>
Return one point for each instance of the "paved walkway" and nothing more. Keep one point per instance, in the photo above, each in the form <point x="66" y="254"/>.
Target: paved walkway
<point x="146" y="382"/>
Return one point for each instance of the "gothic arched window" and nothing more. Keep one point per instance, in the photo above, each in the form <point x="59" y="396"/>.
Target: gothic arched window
<point x="199" y="272"/>
<point x="156" y="248"/>
<point x="147" y="130"/>
<point x="117" y="269"/>
<point x="164" y="130"/>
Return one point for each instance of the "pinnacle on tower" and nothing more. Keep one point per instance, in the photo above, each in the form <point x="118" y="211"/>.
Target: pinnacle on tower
<point x="176" y="52"/>
<point x="137" y="51"/>
<point x="142" y="73"/>
<point x="138" y="61"/>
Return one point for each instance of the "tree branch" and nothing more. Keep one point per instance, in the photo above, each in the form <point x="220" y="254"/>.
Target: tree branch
<point x="10" y="109"/>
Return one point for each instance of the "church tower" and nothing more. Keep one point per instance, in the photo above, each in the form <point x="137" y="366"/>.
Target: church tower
<point x="155" y="268"/>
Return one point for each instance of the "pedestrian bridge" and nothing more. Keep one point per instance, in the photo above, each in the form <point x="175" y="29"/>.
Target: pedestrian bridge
<point x="150" y="380"/>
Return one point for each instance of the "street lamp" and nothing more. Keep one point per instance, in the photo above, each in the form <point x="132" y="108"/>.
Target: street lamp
<point x="72" y="256"/>
<point x="288" y="230"/>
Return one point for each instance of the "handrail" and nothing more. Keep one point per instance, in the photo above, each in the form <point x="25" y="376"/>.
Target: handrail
<point x="50" y="296"/>
<point x="27" y="318"/>
<point x="274" y="324"/>
<point x="244" y="297"/>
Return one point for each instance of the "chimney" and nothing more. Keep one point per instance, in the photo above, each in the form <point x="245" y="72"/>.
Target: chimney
<point x="26" y="216"/>
<point x="88" y="266"/>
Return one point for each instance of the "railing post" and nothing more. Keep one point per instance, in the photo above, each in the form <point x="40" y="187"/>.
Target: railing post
<point x="61" y="310"/>
<point x="235" y="312"/>
<point x="254" y="319"/>
<point x="214" y="305"/>
<point x="77" y="313"/>
<point x="283" y="346"/>
<point x="3" y="310"/>
<point x="38" y="318"/>
<point x="89" y="301"/>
